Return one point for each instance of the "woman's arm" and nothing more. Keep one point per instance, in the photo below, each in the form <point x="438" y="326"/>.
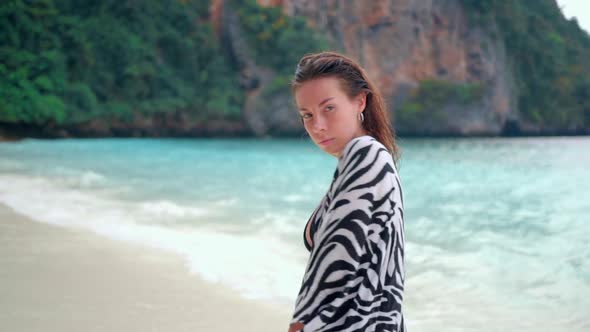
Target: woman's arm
<point x="329" y="293"/>
<point x="330" y="281"/>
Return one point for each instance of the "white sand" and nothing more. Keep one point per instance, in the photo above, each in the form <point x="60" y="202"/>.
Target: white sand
<point x="58" y="279"/>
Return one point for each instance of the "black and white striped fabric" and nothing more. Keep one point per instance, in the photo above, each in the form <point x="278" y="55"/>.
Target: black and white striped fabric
<point x="354" y="279"/>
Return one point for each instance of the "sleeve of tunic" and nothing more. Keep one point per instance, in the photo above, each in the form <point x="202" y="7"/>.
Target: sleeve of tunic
<point x="354" y="276"/>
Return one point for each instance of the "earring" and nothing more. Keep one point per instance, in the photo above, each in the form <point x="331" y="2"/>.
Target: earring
<point x="361" y="117"/>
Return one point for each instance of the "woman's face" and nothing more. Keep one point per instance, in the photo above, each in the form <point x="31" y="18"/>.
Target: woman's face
<point x="330" y="117"/>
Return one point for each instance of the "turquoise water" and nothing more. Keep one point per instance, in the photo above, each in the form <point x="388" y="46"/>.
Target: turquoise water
<point x="496" y="229"/>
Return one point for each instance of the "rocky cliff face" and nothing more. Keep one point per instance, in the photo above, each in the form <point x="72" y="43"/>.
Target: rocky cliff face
<point x="264" y="115"/>
<point x="401" y="43"/>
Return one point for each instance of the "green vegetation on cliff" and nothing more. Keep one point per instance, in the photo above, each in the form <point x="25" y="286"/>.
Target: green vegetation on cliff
<point x="276" y="40"/>
<point x="64" y="61"/>
<point x="430" y="95"/>
<point x="548" y="55"/>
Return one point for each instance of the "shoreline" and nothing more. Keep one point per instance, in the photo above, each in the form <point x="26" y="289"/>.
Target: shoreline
<point x="60" y="279"/>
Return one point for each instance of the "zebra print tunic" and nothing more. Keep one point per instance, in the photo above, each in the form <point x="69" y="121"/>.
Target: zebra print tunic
<point x="354" y="279"/>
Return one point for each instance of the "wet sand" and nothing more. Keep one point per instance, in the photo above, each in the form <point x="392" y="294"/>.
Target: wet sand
<point x="59" y="279"/>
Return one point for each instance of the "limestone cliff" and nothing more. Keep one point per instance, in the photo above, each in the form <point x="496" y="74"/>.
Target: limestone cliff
<point x="404" y="42"/>
<point x="262" y="114"/>
<point x="442" y="66"/>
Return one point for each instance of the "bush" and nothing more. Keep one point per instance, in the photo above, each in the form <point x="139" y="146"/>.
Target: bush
<point x="276" y="39"/>
<point x="428" y="99"/>
<point x="66" y="61"/>
<point x="548" y="56"/>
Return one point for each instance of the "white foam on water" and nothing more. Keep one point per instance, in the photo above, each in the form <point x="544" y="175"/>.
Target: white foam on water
<point x="515" y="283"/>
<point x="284" y="223"/>
<point x="258" y="264"/>
<point x="79" y="178"/>
<point x="168" y="210"/>
<point x="295" y="198"/>
<point x="8" y="165"/>
<point x="226" y="202"/>
<point x="466" y="291"/>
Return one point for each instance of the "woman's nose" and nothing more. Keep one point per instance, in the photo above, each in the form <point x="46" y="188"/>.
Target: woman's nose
<point x="319" y="123"/>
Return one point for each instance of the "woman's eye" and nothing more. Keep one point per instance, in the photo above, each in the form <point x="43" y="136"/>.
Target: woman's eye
<point x="329" y="108"/>
<point x="305" y="116"/>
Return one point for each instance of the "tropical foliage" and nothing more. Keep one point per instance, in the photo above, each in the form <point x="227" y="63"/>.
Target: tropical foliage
<point x="65" y="61"/>
<point x="549" y="57"/>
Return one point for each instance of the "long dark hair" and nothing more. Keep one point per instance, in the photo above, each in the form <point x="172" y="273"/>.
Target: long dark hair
<point x="355" y="81"/>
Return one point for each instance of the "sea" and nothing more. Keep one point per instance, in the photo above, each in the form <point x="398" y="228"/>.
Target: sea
<point x="497" y="230"/>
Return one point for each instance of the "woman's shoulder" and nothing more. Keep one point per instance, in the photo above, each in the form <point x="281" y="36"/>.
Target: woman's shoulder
<point x="364" y="153"/>
<point x="368" y="165"/>
<point x="364" y="146"/>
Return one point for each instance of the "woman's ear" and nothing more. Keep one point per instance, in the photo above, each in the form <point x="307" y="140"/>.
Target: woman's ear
<point x="362" y="101"/>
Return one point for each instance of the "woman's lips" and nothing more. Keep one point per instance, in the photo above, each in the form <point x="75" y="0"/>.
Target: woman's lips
<point x="326" y="141"/>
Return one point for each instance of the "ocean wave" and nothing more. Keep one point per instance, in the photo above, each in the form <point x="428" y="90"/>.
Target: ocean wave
<point x="76" y="178"/>
<point x="256" y="264"/>
<point x="162" y="209"/>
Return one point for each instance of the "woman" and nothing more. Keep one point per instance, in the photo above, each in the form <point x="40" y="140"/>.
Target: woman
<point x="354" y="280"/>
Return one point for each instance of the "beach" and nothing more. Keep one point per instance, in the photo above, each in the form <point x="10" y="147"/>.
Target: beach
<point x="206" y="235"/>
<point x="62" y="279"/>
